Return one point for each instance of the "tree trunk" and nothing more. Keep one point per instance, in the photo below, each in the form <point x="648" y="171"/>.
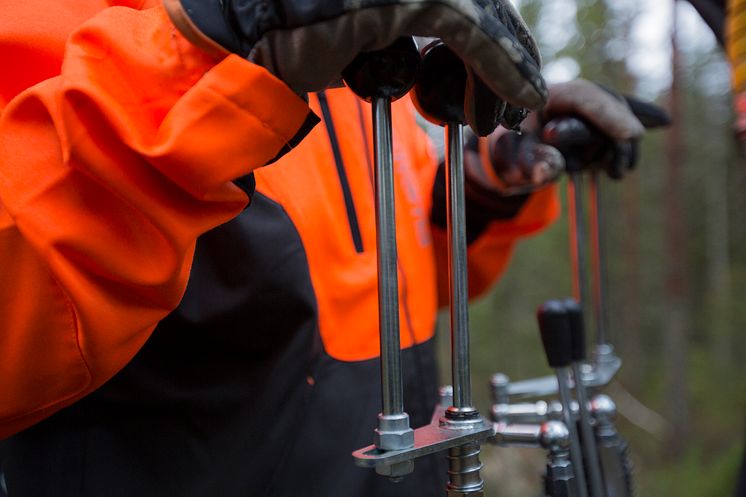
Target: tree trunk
<point x="676" y="291"/>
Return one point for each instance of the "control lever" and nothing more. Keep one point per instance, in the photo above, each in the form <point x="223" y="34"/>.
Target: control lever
<point x="439" y="97"/>
<point x="379" y="78"/>
<point x="577" y="334"/>
<point x="458" y="427"/>
<point x="581" y="145"/>
<point x="556" y="336"/>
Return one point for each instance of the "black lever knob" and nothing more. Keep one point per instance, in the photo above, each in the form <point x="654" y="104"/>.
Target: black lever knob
<point x="554" y="326"/>
<point x="578" y="142"/>
<point x="387" y="73"/>
<point x="577" y="329"/>
<point x="441" y="83"/>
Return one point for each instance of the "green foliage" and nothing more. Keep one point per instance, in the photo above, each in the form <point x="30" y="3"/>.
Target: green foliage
<point x="696" y="475"/>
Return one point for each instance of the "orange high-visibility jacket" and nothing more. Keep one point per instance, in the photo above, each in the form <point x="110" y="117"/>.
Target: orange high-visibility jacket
<point x="121" y="149"/>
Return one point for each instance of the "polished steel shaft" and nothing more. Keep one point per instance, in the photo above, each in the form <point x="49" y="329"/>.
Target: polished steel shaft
<point x="598" y="260"/>
<point x="577" y="237"/>
<point x="576" y="454"/>
<point x="388" y="285"/>
<point x="588" y="439"/>
<point x="458" y="282"/>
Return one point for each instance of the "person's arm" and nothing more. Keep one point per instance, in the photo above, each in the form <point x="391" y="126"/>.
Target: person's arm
<point x="108" y="174"/>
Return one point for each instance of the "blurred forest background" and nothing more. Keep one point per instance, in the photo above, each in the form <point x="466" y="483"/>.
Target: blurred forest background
<point x="676" y="241"/>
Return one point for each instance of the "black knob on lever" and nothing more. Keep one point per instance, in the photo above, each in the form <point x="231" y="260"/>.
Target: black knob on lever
<point x="441" y="83"/>
<point x="554" y="325"/>
<point x="579" y="142"/>
<point x="386" y="73"/>
<point x="577" y="329"/>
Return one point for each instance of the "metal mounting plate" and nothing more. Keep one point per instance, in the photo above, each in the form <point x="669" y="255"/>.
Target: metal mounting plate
<point x="428" y="439"/>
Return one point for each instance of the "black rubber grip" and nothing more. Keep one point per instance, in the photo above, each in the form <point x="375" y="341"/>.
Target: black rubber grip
<point x="389" y="72"/>
<point x="554" y="326"/>
<point x="577" y="328"/>
<point x="441" y="83"/>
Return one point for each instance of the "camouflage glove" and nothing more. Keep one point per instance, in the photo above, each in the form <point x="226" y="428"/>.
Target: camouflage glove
<point x="591" y="126"/>
<point x="308" y="43"/>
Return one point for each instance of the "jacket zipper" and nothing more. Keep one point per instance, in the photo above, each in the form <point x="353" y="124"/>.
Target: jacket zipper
<point x="357" y="238"/>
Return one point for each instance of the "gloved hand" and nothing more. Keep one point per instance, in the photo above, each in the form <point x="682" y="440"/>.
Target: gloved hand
<point x="513" y="163"/>
<point x="582" y="125"/>
<point x="307" y="44"/>
<point x="592" y="127"/>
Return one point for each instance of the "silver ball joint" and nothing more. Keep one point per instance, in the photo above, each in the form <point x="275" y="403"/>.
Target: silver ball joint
<point x="603" y="409"/>
<point x="499" y="388"/>
<point x="445" y="393"/>
<point x="554" y="436"/>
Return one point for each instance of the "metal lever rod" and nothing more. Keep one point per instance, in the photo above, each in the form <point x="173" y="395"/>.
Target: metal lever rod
<point x="598" y="260"/>
<point x="463" y="461"/>
<point x="379" y="78"/>
<point x="577" y="237"/>
<point x="577" y="333"/>
<point x="576" y="454"/>
<point x="439" y="96"/>
<point x="458" y="285"/>
<point x="388" y="285"/>
<point x="554" y="325"/>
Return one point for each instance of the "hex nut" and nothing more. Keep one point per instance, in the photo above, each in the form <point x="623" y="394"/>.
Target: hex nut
<point x="397" y="470"/>
<point x="393" y="440"/>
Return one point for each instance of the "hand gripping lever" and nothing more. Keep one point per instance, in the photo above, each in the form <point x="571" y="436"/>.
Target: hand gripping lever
<point x="439" y="96"/>
<point x="461" y="429"/>
<point x="380" y="77"/>
<point x="582" y="144"/>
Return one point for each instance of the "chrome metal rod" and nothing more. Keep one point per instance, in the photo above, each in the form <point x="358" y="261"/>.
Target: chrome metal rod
<point x="388" y="285"/>
<point x="576" y="455"/>
<point x="457" y="276"/>
<point x="598" y="260"/>
<point x="577" y="238"/>
<point x="588" y="438"/>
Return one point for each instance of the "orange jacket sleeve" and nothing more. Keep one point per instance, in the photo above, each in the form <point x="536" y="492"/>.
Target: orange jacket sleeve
<point x="109" y="172"/>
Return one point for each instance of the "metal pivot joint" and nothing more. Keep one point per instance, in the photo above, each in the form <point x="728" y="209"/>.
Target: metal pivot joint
<point x="613" y="449"/>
